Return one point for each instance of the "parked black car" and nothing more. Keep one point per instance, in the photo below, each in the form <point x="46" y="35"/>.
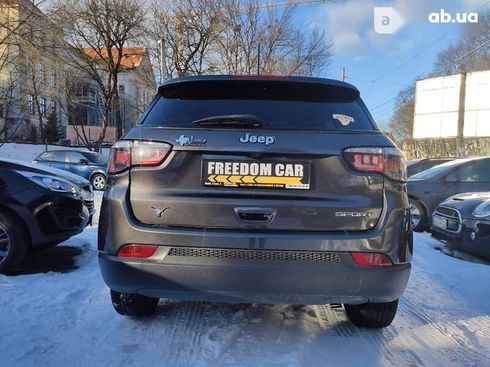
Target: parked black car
<point x="429" y="188"/>
<point x="39" y="207"/>
<point x="464" y="221"/>
<point x="257" y="189"/>
<point x="415" y="166"/>
<point x="90" y="165"/>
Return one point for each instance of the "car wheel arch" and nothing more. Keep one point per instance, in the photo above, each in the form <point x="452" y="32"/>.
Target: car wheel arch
<point x="18" y="218"/>
<point x="97" y="172"/>
<point x="420" y="202"/>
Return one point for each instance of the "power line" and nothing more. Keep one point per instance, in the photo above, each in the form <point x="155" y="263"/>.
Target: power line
<point x="459" y="58"/>
<point x="403" y="63"/>
<point x="465" y="55"/>
<point x="385" y="110"/>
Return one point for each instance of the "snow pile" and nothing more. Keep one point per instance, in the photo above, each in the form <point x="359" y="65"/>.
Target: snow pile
<point x="59" y="319"/>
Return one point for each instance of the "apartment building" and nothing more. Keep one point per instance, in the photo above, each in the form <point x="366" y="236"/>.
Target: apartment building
<point x="136" y="88"/>
<point x="35" y="81"/>
<point x="30" y="71"/>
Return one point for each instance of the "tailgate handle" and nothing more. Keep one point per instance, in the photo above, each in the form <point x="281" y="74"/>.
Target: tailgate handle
<point x="255" y="215"/>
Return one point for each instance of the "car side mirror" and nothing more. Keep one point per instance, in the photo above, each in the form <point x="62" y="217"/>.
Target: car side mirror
<point x="83" y="161"/>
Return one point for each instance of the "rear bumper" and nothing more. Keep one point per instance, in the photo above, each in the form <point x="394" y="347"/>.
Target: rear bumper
<point x="255" y="281"/>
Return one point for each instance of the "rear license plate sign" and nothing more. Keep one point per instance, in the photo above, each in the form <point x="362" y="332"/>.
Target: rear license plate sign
<point x="439" y="222"/>
<point x="275" y="175"/>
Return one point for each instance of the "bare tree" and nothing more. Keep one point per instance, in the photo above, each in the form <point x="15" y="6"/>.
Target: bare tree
<point x="8" y="104"/>
<point x="188" y="30"/>
<point x="230" y="36"/>
<point x="98" y="32"/>
<point x="72" y="85"/>
<point x="17" y="44"/>
<point x="401" y="124"/>
<point x="470" y="53"/>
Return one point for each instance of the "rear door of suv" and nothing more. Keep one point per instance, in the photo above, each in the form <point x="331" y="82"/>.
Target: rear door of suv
<point x="259" y="154"/>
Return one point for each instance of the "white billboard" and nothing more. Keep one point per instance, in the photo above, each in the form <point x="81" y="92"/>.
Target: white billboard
<point x="477" y="104"/>
<point x="437" y="106"/>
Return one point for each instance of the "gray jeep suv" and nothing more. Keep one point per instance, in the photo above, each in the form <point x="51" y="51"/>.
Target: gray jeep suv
<point x="257" y="189"/>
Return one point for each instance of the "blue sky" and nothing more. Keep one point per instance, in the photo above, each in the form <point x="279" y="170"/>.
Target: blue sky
<point x="381" y="65"/>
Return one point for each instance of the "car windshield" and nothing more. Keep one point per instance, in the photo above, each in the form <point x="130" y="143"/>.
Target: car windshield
<point x="436" y="171"/>
<point x="96" y="158"/>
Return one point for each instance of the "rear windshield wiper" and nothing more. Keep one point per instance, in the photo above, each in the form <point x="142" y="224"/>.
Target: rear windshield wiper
<point x="230" y="121"/>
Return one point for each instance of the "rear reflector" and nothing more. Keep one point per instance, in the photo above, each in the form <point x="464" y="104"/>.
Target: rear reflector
<point x="371" y="259"/>
<point x="137" y="251"/>
<point x="387" y="161"/>
<point x="125" y="154"/>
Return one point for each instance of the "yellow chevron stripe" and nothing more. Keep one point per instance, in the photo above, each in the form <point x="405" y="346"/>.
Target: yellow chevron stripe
<point x="222" y="179"/>
<point x="235" y="179"/>
<point x="248" y="179"/>
<point x="278" y="180"/>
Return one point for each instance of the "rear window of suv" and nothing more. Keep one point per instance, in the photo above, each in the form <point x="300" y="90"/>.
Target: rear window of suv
<point x="278" y="105"/>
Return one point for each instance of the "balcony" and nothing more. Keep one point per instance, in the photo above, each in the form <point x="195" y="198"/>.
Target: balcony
<point x="87" y="97"/>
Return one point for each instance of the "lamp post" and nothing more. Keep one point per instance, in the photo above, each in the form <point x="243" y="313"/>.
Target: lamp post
<point x="163" y="73"/>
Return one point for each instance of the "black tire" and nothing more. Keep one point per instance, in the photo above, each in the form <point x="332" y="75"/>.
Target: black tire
<point x="14" y="244"/>
<point x="134" y="305"/>
<point x="372" y="315"/>
<point x="98" y="182"/>
<point x="422" y="223"/>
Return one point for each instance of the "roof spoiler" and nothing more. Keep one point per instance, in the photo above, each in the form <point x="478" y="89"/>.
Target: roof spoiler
<point x="259" y="87"/>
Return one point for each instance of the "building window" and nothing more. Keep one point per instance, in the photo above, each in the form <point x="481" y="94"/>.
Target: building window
<point x="42" y="72"/>
<point x="30" y="104"/>
<point x="52" y="78"/>
<point x="122" y="89"/>
<point x="42" y="106"/>
<point x="52" y="106"/>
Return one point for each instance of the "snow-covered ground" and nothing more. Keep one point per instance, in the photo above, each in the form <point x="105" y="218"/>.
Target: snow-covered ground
<point x="66" y="319"/>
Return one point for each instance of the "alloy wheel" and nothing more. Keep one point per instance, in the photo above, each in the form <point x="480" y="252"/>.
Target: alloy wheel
<point x="415" y="215"/>
<point x="98" y="182"/>
<point x="4" y="243"/>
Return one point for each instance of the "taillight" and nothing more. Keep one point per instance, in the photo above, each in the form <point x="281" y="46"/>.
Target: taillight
<point x="388" y="161"/>
<point x="148" y="153"/>
<point x="137" y="251"/>
<point x="125" y="154"/>
<point x="120" y="157"/>
<point x="371" y="259"/>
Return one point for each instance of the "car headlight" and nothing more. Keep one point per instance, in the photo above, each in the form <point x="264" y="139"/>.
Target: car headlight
<point x="51" y="182"/>
<point x="482" y="210"/>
